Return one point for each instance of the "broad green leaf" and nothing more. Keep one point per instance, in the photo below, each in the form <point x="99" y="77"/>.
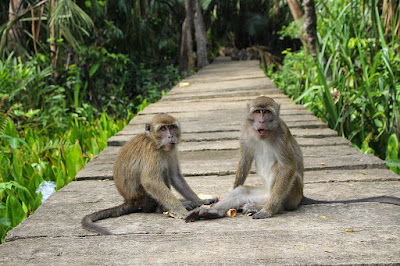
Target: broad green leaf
<point x="14" y="211"/>
<point x="73" y="160"/>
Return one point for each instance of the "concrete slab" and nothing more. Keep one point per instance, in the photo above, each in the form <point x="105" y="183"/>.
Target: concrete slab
<point x="215" y="161"/>
<point x="228" y="144"/>
<point x="321" y="234"/>
<point x="200" y="106"/>
<point x="56" y="219"/>
<point x="318" y="242"/>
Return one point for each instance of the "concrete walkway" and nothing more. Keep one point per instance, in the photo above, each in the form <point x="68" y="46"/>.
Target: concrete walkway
<point x="211" y="110"/>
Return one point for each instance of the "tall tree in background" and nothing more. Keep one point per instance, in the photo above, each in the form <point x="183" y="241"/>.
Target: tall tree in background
<point x="201" y="37"/>
<point x="295" y="9"/>
<point x="306" y="21"/>
<point x="193" y="17"/>
<point x="186" y="62"/>
<point x="15" y="33"/>
<point x="310" y="26"/>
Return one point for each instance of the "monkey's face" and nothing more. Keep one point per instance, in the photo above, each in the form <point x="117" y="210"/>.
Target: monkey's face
<point x="263" y="113"/>
<point x="169" y="137"/>
<point x="165" y="131"/>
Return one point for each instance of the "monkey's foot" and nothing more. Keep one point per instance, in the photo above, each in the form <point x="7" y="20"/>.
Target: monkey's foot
<point x="199" y="213"/>
<point x="211" y="201"/>
<point x="261" y="215"/>
<point x="251" y="208"/>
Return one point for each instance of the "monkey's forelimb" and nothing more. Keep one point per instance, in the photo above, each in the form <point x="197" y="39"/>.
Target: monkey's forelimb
<point x="88" y="222"/>
<point x="200" y="213"/>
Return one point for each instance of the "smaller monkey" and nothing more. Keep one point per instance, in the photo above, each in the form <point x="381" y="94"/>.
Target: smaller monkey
<point x="144" y="170"/>
<point x="279" y="161"/>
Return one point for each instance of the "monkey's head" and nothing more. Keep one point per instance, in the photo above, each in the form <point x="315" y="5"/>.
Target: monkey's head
<point x="165" y="131"/>
<point x="263" y="114"/>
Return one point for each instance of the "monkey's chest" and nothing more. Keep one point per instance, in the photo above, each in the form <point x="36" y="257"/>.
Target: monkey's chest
<point x="265" y="159"/>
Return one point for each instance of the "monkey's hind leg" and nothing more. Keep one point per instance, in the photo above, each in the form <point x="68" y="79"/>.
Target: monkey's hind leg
<point x="236" y="199"/>
<point x="251" y="208"/>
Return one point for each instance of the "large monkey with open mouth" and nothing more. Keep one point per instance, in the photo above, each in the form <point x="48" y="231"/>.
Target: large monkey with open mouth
<point x="279" y="161"/>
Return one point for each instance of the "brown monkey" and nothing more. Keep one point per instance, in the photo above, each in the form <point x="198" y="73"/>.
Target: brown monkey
<point x="144" y="169"/>
<point x="279" y="161"/>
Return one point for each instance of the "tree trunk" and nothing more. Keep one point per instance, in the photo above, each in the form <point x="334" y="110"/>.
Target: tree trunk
<point x="16" y="31"/>
<point x="295" y="9"/>
<point x="310" y="26"/>
<point x="201" y="37"/>
<point x="186" y="61"/>
<point x="53" y="38"/>
<point x="297" y="14"/>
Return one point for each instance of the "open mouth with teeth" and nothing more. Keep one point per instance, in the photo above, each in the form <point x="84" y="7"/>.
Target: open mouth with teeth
<point x="262" y="132"/>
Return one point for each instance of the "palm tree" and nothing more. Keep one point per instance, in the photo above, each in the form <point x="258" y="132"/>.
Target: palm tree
<point x="65" y="20"/>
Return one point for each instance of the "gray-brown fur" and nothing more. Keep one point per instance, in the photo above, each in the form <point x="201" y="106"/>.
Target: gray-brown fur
<point x="144" y="170"/>
<point x="288" y="169"/>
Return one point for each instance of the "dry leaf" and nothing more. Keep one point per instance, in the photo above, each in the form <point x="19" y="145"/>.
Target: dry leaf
<point x="322" y="216"/>
<point x="349" y="230"/>
<point x="302" y="249"/>
<point x="171" y="214"/>
<point x="322" y="163"/>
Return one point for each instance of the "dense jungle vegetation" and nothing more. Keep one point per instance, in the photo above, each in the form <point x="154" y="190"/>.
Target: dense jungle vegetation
<point x="74" y="72"/>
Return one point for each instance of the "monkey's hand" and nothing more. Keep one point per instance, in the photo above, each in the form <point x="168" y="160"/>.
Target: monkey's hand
<point x="210" y="201"/>
<point x="200" y="213"/>
<point x="261" y="215"/>
<point x="189" y="205"/>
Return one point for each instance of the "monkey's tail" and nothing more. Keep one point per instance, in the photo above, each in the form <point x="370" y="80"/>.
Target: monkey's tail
<point x="123" y="209"/>
<point x="380" y="199"/>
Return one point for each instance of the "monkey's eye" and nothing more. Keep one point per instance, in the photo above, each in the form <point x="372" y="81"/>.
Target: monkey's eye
<point x="163" y="128"/>
<point x="268" y="111"/>
<point x="257" y="111"/>
<point x="172" y="126"/>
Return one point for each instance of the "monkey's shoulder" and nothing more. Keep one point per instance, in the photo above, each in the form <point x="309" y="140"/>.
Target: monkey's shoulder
<point x="140" y="144"/>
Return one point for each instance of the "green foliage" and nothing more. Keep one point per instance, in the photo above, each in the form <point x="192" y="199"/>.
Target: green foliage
<point x="70" y="20"/>
<point x="49" y="128"/>
<point x="393" y="150"/>
<point x="353" y="85"/>
<point x="40" y="156"/>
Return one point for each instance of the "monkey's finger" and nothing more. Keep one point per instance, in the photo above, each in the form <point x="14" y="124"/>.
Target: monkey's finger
<point x="190" y="206"/>
<point x="211" y="201"/>
<point x="261" y="215"/>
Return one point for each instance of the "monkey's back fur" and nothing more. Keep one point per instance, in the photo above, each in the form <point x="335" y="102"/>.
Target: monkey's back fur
<point x="140" y="152"/>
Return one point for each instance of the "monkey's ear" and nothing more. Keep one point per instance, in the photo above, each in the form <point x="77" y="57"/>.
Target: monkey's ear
<point x="248" y="106"/>
<point x="147" y="128"/>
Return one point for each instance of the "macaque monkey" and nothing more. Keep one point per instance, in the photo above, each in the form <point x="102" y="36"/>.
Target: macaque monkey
<point x="279" y="161"/>
<point x="144" y="170"/>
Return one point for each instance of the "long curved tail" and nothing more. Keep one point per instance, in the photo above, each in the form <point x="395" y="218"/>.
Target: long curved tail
<point x="380" y="199"/>
<point x="88" y="222"/>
